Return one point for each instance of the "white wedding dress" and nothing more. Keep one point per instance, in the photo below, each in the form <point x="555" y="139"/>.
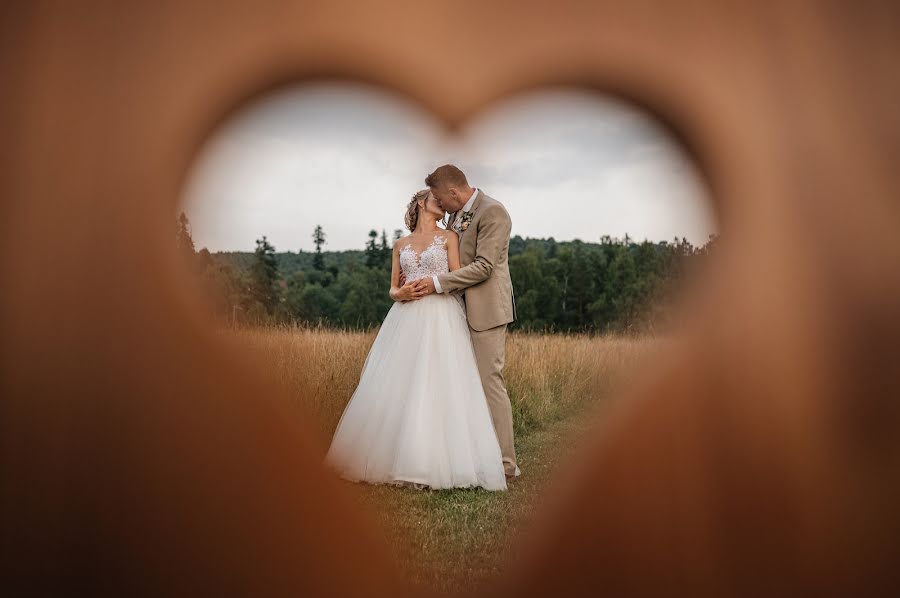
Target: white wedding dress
<point x="419" y="416"/>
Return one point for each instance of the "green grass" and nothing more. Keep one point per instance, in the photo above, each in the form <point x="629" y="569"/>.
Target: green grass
<point x="455" y="540"/>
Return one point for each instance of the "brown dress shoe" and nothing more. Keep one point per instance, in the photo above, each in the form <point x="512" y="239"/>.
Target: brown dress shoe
<point x="510" y="477"/>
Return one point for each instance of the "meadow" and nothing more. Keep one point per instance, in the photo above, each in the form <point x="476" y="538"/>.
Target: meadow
<point x="447" y="540"/>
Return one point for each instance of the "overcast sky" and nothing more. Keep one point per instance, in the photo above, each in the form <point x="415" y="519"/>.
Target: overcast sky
<point x="565" y="164"/>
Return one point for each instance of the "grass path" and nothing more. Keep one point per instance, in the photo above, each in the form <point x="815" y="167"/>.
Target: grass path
<point x="452" y="540"/>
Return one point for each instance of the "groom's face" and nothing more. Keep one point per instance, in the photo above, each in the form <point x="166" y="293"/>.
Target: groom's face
<point x="449" y="198"/>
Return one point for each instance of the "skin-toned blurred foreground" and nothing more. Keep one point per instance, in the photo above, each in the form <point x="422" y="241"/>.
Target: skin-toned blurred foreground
<point x="139" y="454"/>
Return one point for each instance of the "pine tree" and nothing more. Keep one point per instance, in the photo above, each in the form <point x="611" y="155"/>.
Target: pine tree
<point x="183" y="241"/>
<point x="264" y="275"/>
<point x="373" y="254"/>
<point x="385" y="249"/>
<point x="183" y="232"/>
<point x="319" y="239"/>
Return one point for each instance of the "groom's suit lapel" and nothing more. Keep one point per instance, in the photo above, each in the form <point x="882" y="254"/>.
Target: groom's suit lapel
<point x="452" y="220"/>
<point x="477" y="203"/>
<point x="467" y="241"/>
<point x="474" y="211"/>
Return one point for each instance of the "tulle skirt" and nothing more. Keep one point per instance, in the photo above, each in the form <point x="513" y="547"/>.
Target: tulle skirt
<point x="419" y="416"/>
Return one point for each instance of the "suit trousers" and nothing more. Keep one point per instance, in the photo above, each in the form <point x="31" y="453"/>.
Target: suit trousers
<point x="490" y="353"/>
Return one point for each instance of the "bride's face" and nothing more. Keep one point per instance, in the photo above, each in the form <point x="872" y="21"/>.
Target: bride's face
<point x="433" y="207"/>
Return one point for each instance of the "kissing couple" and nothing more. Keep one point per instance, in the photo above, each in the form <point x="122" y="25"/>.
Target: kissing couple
<point x="431" y="409"/>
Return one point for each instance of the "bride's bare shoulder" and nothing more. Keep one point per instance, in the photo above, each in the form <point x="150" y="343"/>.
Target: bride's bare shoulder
<point x="401" y="243"/>
<point x="450" y="235"/>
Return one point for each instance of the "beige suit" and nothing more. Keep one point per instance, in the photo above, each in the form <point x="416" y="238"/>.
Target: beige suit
<point x="487" y="289"/>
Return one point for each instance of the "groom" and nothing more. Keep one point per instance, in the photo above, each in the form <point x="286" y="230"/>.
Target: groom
<point x="483" y="225"/>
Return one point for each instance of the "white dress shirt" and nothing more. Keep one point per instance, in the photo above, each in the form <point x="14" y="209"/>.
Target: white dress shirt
<point x="456" y="223"/>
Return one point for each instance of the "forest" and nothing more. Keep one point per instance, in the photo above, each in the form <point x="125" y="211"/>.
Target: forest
<point x="610" y="286"/>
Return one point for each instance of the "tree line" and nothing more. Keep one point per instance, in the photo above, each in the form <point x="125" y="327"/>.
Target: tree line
<point x="615" y="285"/>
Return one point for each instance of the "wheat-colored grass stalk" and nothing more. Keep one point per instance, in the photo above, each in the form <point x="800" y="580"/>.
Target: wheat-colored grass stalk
<point x="550" y="375"/>
<point x="547" y="375"/>
<point x="448" y="540"/>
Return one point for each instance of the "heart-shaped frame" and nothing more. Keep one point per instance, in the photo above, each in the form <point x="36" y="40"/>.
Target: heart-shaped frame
<point x="136" y="457"/>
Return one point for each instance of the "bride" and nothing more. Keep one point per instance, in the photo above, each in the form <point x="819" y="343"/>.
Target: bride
<point x="419" y="416"/>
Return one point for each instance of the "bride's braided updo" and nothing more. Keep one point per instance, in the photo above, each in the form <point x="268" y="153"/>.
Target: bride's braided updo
<point x="412" y="210"/>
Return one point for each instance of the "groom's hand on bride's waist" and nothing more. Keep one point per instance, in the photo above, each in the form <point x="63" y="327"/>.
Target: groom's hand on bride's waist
<point x="411" y="291"/>
<point x="420" y="288"/>
<point x="427" y="284"/>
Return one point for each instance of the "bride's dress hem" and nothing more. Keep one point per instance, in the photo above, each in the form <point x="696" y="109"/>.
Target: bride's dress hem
<point x="420" y="484"/>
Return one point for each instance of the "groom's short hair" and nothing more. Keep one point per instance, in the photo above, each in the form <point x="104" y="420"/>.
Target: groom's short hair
<point x="447" y="175"/>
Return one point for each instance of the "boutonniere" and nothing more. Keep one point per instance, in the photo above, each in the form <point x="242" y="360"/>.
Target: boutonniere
<point x="466" y="219"/>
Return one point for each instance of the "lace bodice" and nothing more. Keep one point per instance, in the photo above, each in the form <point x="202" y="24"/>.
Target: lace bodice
<point x="432" y="260"/>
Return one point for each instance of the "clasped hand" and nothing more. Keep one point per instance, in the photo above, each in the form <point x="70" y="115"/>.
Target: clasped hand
<point x="411" y="291"/>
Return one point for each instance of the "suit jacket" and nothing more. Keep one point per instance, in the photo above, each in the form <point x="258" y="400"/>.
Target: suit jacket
<point x="483" y="276"/>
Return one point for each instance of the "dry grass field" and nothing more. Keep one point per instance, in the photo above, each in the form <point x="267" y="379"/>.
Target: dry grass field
<point x="453" y="539"/>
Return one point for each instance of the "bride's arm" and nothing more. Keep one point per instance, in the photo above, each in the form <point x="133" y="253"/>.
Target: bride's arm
<point x="395" y="273"/>
<point x="453" y="250"/>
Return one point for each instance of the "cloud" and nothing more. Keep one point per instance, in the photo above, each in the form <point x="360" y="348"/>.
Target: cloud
<point x="566" y="164"/>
